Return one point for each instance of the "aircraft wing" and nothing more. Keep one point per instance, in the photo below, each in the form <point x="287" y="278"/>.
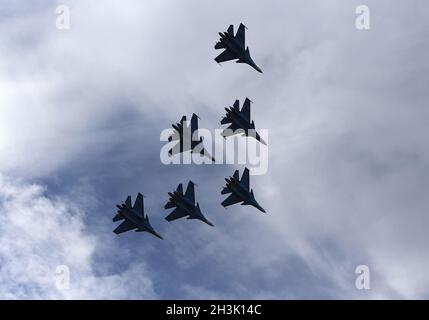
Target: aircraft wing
<point x="232" y="199"/>
<point x="225" y="56"/>
<point x="124" y="227"/>
<point x="245" y="178"/>
<point x="190" y="192"/>
<point x="245" y="111"/>
<point x="240" y="36"/>
<point x="176" y="214"/>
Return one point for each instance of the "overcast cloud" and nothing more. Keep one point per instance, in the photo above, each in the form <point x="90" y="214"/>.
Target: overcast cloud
<point x="81" y="112"/>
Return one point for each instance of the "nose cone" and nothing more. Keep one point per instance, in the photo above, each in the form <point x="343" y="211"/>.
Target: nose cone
<point x="152" y="231"/>
<point x="257" y="206"/>
<point x="209" y="223"/>
<point x="156" y="234"/>
<point x="256" y="67"/>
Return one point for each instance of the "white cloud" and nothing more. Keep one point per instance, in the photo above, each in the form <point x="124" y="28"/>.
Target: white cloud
<point x="348" y="156"/>
<point x="38" y="233"/>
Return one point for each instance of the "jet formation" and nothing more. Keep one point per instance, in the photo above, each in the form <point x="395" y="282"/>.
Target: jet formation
<point x="235" y="47"/>
<point x="184" y="204"/>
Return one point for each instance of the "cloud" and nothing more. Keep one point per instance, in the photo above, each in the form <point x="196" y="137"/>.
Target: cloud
<point x="348" y="158"/>
<point x="38" y="234"/>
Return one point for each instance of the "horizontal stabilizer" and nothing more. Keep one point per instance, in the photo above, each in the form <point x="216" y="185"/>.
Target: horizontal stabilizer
<point x="118" y="217"/>
<point x="226" y="190"/>
<point x="169" y="205"/>
<point x="226" y="119"/>
<point x="220" y="45"/>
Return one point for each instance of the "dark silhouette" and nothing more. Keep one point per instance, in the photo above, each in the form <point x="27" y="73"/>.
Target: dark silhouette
<point x="134" y="217"/>
<point x="240" y="121"/>
<point x="239" y="190"/>
<point x="184" y="205"/>
<point x="235" y="47"/>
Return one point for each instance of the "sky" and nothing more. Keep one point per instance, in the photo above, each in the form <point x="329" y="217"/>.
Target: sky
<point x="81" y="112"/>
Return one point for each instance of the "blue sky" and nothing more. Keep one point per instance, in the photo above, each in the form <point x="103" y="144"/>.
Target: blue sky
<point x="81" y="112"/>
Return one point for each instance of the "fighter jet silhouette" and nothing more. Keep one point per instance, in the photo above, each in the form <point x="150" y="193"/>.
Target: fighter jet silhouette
<point x="134" y="217"/>
<point x="235" y="47"/>
<point x="184" y="205"/>
<point x="185" y="134"/>
<point x="240" y="120"/>
<point x="239" y="190"/>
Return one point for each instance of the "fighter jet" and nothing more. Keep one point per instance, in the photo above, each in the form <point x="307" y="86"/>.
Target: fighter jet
<point x="240" y="120"/>
<point x="183" y="134"/>
<point x="134" y="217"/>
<point x="239" y="190"/>
<point x="235" y="47"/>
<point x="184" y="205"/>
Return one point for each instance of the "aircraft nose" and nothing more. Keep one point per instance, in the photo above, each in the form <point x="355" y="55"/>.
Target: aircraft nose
<point x="257" y="206"/>
<point x="254" y="66"/>
<point x="257" y="68"/>
<point x="261" y="209"/>
<point x="156" y="234"/>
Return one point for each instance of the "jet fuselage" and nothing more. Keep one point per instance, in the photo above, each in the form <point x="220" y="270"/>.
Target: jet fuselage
<point x="239" y="190"/>
<point x="239" y="119"/>
<point x="234" y="46"/>
<point x="183" y="202"/>
<point x="140" y="223"/>
<point x="238" y="50"/>
<point x="131" y="215"/>
<point x="188" y="206"/>
<point x="245" y="195"/>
